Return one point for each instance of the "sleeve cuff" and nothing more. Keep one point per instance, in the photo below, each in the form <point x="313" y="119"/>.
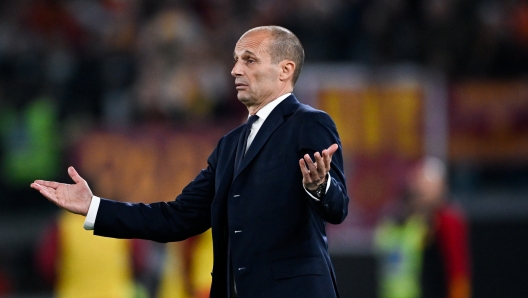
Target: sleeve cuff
<point x="326" y="190"/>
<point x="89" y="222"/>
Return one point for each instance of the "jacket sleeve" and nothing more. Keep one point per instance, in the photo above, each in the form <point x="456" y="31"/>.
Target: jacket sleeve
<point x="318" y="132"/>
<point x="188" y="215"/>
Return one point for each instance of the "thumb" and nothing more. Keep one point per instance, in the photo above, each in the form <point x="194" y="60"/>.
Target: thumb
<point x="332" y="149"/>
<point x="74" y="175"/>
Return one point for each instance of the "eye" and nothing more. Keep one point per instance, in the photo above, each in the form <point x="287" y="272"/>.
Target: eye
<point x="250" y="61"/>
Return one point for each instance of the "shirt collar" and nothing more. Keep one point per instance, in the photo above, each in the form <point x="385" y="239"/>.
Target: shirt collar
<point x="267" y="109"/>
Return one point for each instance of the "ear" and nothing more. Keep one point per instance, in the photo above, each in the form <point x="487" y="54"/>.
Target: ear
<point x="287" y="67"/>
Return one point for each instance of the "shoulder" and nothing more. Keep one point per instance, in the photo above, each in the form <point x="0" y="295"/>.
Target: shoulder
<point x="238" y="126"/>
<point x="310" y="117"/>
<point x="229" y="139"/>
<point x="304" y="108"/>
<point x="234" y="133"/>
<point x="451" y="211"/>
<point x="451" y="215"/>
<point x="307" y="111"/>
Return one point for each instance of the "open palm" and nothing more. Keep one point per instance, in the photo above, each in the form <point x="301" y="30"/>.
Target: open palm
<point x="75" y="198"/>
<point x="314" y="172"/>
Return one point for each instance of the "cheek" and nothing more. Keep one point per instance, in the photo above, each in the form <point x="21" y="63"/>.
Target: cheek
<point x="263" y="79"/>
<point x="257" y="79"/>
<point x="269" y="76"/>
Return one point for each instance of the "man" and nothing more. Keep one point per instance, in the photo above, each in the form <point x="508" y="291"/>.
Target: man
<point x="424" y="251"/>
<point x="267" y="198"/>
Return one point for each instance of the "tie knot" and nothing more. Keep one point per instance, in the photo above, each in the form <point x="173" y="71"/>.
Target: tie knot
<point x="252" y="120"/>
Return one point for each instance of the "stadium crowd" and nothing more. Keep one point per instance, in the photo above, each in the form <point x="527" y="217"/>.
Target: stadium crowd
<point x="119" y="62"/>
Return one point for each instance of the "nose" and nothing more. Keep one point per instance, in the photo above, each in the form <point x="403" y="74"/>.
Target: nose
<point x="236" y="71"/>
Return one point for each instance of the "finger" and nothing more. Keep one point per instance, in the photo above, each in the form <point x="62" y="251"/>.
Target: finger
<point x="332" y="149"/>
<point x="50" y="196"/>
<point x="47" y="192"/>
<point x="74" y="175"/>
<point x="321" y="168"/>
<point x="305" y="172"/>
<point x="327" y="154"/>
<point x="40" y="187"/>
<point x="35" y="185"/>
<point x="317" y="171"/>
<point x="310" y="164"/>
<point x="51" y="184"/>
<point x="327" y="159"/>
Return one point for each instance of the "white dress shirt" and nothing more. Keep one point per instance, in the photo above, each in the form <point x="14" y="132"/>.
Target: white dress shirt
<point x="262" y="114"/>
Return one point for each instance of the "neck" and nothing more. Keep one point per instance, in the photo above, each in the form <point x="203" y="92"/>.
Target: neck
<point x="255" y="108"/>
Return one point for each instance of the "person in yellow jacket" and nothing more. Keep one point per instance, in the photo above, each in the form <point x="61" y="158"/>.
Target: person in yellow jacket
<point x="424" y="250"/>
<point x="81" y="265"/>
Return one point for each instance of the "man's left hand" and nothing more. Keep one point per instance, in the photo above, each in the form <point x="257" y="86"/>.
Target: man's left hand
<point x="314" y="173"/>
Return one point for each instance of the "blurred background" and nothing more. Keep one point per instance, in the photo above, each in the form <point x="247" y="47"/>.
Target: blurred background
<point x="135" y="94"/>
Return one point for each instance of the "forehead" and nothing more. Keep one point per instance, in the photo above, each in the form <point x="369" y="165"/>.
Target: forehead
<point x="254" y="42"/>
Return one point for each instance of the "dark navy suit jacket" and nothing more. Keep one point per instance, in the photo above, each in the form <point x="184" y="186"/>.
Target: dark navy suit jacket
<point x="275" y="229"/>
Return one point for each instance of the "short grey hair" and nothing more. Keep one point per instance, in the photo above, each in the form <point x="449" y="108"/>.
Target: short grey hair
<point x="284" y="45"/>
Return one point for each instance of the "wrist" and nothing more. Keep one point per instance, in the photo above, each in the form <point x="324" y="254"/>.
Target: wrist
<point x="320" y="190"/>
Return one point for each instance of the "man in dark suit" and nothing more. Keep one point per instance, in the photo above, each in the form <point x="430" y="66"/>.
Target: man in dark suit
<point x="268" y="191"/>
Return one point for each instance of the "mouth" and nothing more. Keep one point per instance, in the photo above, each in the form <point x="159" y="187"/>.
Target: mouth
<point x="240" y="86"/>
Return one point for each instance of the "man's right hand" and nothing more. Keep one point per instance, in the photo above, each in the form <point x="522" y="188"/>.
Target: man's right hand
<point x="75" y="198"/>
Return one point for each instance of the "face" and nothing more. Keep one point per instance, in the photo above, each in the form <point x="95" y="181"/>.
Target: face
<point x="427" y="188"/>
<point x="256" y="78"/>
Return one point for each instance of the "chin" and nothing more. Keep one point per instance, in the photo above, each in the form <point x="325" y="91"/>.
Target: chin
<point x="243" y="99"/>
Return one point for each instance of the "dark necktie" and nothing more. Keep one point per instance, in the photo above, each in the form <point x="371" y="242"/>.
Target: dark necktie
<point x="242" y="142"/>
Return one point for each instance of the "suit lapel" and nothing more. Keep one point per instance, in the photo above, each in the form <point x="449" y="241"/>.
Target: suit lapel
<point x="274" y="120"/>
<point x="229" y="170"/>
<point x="218" y="218"/>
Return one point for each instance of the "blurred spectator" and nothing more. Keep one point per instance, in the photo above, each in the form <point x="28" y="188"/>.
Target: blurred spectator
<point x="30" y="139"/>
<point x="424" y="251"/>
<point x="114" y="62"/>
<point x="78" y="264"/>
<point x="179" y="77"/>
